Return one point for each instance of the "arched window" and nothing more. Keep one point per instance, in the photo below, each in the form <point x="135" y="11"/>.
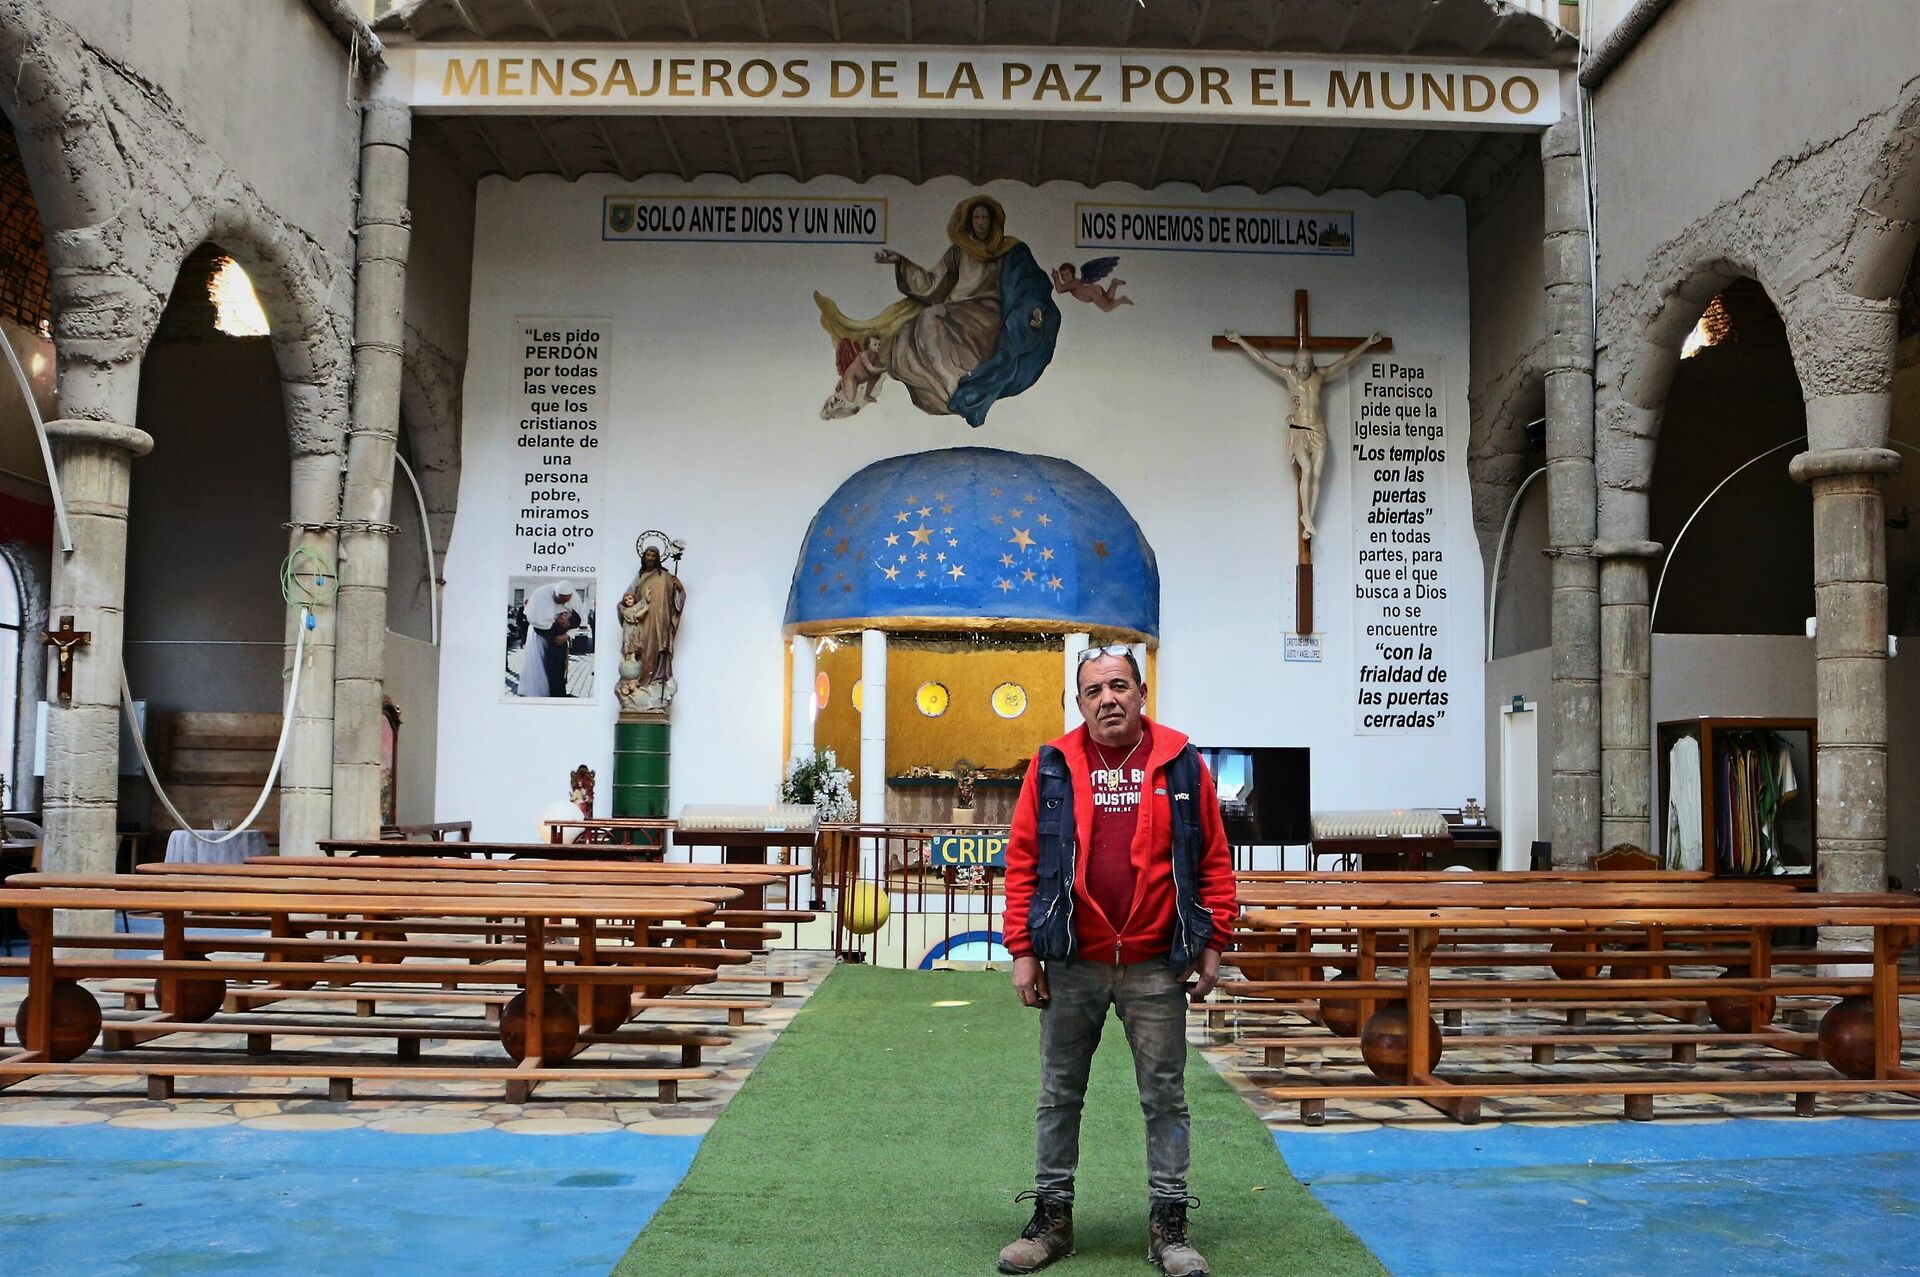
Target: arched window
<point x="12" y="613"/>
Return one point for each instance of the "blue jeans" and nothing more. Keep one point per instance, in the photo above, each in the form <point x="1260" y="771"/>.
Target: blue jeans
<point x="1152" y="1004"/>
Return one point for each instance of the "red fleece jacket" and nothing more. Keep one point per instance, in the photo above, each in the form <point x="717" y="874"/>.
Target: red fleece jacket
<point x="1147" y="930"/>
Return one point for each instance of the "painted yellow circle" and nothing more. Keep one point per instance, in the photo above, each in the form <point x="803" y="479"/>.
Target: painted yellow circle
<point x="932" y="699"/>
<point x="859" y="694"/>
<point x="1009" y="700"/>
<point x="822" y="689"/>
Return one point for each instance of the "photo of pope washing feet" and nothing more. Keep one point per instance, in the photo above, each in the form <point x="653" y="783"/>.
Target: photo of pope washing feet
<point x="1119" y="890"/>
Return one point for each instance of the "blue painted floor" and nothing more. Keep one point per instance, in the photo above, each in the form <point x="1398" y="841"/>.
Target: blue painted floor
<point x="1787" y="1198"/>
<point x="108" y="1201"/>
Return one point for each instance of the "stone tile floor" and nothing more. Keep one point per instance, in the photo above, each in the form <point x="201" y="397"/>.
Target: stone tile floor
<point x="425" y="1106"/>
<point x="1245" y="1069"/>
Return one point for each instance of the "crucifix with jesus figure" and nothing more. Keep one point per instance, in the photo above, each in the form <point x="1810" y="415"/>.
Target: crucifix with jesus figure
<point x="1306" y="422"/>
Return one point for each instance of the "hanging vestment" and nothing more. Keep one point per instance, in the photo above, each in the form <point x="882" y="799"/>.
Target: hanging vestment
<point x="1683" y="843"/>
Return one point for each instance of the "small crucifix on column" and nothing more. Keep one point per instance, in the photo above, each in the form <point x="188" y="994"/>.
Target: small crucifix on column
<point x="64" y="640"/>
<point x="1306" y="422"/>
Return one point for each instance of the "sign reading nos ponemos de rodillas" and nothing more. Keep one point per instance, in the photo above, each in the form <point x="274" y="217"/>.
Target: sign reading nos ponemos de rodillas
<point x="951" y="851"/>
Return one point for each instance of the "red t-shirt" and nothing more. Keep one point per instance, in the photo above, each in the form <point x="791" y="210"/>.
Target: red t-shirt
<point x="1118" y="777"/>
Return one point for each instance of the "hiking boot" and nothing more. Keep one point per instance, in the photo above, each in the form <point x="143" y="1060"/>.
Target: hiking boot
<point x="1048" y="1235"/>
<point x="1167" y="1243"/>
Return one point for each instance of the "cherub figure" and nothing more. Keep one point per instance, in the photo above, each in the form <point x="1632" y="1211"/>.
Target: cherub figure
<point x="861" y="367"/>
<point x="1084" y="284"/>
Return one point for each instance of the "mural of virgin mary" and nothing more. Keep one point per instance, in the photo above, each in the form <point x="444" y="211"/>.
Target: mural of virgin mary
<point x="973" y="329"/>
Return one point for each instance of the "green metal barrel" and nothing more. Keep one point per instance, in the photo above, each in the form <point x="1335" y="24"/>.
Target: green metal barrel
<point x="640" y="751"/>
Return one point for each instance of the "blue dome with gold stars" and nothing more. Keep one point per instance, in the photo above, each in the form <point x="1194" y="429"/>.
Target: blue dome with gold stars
<point x="975" y="538"/>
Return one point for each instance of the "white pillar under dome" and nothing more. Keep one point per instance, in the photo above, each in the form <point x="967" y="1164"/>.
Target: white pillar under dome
<point x="873" y="727"/>
<point x="800" y="737"/>
<point x="1076" y="643"/>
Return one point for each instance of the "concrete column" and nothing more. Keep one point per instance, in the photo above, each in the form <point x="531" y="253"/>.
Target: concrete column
<point x="80" y="795"/>
<point x="1571" y="504"/>
<point x="1850" y="658"/>
<point x="380" y="274"/>
<point x="873" y="727"/>
<point x="1626" y="665"/>
<point x="800" y="737"/>
<point x="1076" y="644"/>
<point x="306" y="773"/>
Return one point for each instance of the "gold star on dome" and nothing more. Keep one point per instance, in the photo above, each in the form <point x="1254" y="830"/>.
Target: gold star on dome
<point x="953" y="541"/>
<point x="939" y="496"/>
<point x="946" y="532"/>
<point x="1030" y="498"/>
<point x="1046" y="553"/>
<point x="996" y="520"/>
<point x="840" y="549"/>
<point x="1044" y="520"/>
<point x="891" y="572"/>
<point x="920" y="575"/>
<point x="1053" y="583"/>
<point x="847" y="588"/>
<point x="946" y="509"/>
<point x="1021" y="539"/>
<point x="1003" y="585"/>
<point x="941" y="557"/>
<point x="912" y="500"/>
<point x="1006" y="560"/>
<point x="925" y="511"/>
<point x="1014" y="511"/>
<point x="893" y="538"/>
<point x="956" y="571"/>
<point x="901" y="517"/>
<point x="922" y="556"/>
<point x="1099" y="549"/>
<point x="923" y="535"/>
<point x="1027" y="576"/>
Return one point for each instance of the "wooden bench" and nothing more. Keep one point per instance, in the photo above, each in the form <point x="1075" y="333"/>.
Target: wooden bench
<point x="1401" y="1047"/>
<point x="540" y="1024"/>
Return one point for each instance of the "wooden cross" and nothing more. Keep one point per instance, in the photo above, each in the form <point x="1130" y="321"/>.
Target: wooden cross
<point x="1302" y="335"/>
<point x="64" y="640"/>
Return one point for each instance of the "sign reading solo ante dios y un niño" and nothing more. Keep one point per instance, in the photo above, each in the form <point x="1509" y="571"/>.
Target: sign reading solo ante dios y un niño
<point x="1049" y="83"/>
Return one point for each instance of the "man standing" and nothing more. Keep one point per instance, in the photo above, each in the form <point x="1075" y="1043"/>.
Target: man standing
<point x="1119" y="887"/>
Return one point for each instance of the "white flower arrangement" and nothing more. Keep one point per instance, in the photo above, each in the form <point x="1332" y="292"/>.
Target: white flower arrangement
<point x="821" y="780"/>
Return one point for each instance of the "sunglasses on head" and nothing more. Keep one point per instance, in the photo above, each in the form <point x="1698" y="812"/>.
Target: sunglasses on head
<point x="1111" y="649"/>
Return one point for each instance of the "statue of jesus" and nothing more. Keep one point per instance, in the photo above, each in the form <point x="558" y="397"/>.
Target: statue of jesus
<point x="1306" y="422"/>
<point x="649" y="620"/>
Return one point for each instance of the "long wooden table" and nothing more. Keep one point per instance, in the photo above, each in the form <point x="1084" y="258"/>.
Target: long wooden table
<point x="1751" y="922"/>
<point x="57" y="1027"/>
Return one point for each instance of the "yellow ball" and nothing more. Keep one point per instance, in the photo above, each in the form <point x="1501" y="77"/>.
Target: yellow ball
<point x="865" y="909"/>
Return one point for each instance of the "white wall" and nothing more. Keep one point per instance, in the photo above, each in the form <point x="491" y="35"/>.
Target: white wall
<point x="718" y="369"/>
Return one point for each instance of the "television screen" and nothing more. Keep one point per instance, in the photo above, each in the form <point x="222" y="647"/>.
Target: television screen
<point x="1265" y="793"/>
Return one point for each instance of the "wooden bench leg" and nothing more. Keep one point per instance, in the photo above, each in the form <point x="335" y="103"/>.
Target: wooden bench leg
<point x="1275" y="1057"/>
<point x="159" y="1087"/>
<point x="1542" y="1053"/>
<point x="1686" y="1052"/>
<point x="779" y="988"/>
<point x="737" y="1017"/>
<point x="1313" y="1112"/>
<point x="133" y="1002"/>
<point x="407" y="1048"/>
<point x="669" y="1091"/>
<point x="340" y="1090"/>
<point x="1639" y="1108"/>
<point x="1217" y="1019"/>
<point x="1805" y="1102"/>
<point x="259" y="1044"/>
<point x="1453" y="1017"/>
<point x="689" y="1057"/>
<point x="492" y="1013"/>
<point x="1577" y="1017"/>
<point x="363" y="1006"/>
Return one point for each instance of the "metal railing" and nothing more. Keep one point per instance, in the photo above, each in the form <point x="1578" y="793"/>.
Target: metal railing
<point x="930" y="907"/>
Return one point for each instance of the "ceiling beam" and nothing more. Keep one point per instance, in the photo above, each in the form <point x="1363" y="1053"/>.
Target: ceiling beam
<point x="626" y="170"/>
<point x="540" y="16"/>
<point x="686" y="13"/>
<point x="459" y="7"/>
<point x="1273" y="23"/>
<point x="1159" y="154"/>
<point x="980" y="21"/>
<point x="1053" y="25"/>
<point x="1326" y="183"/>
<point x="1413" y="146"/>
<point x="1039" y="150"/>
<point x="833" y="18"/>
<point x="853" y="148"/>
<point x="486" y="140"/>
<point x="1419" y="31"/>
<point x="979" y="151"/>
<point x="1453" y="170"/>
<point x="613" y="16"/>
<point x="673" y="151"/>
<point x="793" y="145"/>
<point x="760" y="14"/>
<point x="1280" y="161"/>
<point x="1099" y="153"/>
<point x="533" y="122"/>
<point x="733" y="149"/>
<point x="1199" y="24"/>
<point x="1494" y="28"/>
<point x="1219" y="161"/>
<point x="919" y="154"/>
<point x="906" y="20"/>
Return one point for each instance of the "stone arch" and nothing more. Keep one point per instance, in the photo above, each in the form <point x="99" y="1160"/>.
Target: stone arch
<point x="1886" y="223"/>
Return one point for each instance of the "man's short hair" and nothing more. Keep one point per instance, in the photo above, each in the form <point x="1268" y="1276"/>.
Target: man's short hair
<point x="1102" y="653"/>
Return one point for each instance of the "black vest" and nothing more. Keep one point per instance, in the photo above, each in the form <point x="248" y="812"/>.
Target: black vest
<point x="1050" y="913"/>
